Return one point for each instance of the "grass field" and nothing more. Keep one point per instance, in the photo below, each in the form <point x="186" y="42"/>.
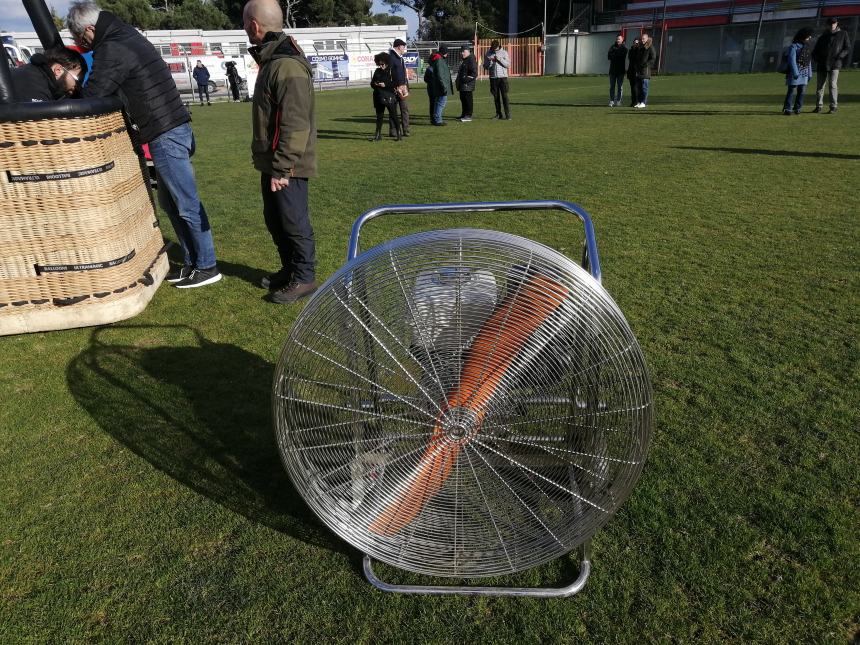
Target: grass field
<point x="142" y="497"/>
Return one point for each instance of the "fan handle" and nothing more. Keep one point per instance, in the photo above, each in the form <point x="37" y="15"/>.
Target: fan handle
<point x="590" y="258"/>
<point x="455" y="590"/>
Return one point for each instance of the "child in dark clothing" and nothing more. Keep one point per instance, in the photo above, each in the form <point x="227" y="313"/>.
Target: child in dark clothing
<point x="383" y="96"/>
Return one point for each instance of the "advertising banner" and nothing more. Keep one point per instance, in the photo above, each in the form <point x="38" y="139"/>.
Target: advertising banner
<point x="411" y="60"/>
<point x="330" y="67"/>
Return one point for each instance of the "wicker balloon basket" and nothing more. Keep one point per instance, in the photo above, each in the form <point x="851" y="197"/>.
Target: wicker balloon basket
<point x="79" y="240"/>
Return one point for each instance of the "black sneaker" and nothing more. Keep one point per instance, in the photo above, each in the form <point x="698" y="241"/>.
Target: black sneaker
<point x="180" y="274"/>
<point x="276" y="280"/>
<point x="833" y="110"/>
<point x="200" y="278"/>
<point x="817" y="109"/>
<point x="292" y="292"/>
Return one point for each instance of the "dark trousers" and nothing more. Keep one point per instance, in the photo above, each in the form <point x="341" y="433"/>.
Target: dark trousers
<point x="499" y="90"/>
<point x="234" y="89"/>
<point x="289" y="224"/>
<point x="403" y="106"/>
<point x="203" y="89"/>
<point x="634" y="90"/>
<point x="798" y="101"/>
<point x="393" y="121"/>
<point x="466" y="100"/>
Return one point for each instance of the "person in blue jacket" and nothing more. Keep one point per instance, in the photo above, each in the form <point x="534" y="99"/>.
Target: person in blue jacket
<point x="798" y="72"/>
<point x="201" y="75"/>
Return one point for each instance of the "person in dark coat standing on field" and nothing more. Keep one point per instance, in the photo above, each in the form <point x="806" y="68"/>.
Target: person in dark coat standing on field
<point x="201" y="76"/>
<point x="644" y="58"/>
<point x="383" y="96"/>
<point x="126" y="63"/>
<point x="631" y="72"/>
<point x="401" y="90"/>
<point x="441" y="81"/>
<point x="830" y="53"/>
<point x="50" y="76"/>
<point x="283" y="148"/>
<point x="233" y="79"/>
<point x="467" y="74"/>
<point x="617" y="63"/>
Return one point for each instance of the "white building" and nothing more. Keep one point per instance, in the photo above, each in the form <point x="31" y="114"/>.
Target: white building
<point x="360" y="43"/>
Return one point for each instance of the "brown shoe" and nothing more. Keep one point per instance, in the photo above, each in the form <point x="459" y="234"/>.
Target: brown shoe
<point x="293" y="291"/>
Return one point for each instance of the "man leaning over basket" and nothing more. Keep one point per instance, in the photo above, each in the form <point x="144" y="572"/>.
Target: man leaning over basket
<point x="283" y="148"/>
<point x="126" y="64"/>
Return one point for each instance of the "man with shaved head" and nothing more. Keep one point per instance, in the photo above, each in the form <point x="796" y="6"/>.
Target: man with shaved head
<point x="283" y="148"/>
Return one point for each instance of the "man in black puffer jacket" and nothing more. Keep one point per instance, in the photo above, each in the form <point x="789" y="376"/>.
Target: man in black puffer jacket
<point x="467" y="74"/>
<point x="126" y="64"/>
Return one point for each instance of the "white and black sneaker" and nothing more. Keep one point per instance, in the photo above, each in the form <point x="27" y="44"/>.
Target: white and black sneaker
<point x="200" y="278"/>
<point x="179" y="274"/>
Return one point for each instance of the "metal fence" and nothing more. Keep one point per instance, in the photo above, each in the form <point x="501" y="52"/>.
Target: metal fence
<point x="525" y="53"/>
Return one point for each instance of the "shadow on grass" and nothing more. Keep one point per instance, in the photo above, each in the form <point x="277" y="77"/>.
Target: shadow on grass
<point x="344" y="134"/>
<point x="657" y="111"/>
<point x="773" y="153"/>
<point x="414" y="118"/>
<point x="199" y="412"/>
<point x="572" y="105"/>
<point x="246" y="273"/>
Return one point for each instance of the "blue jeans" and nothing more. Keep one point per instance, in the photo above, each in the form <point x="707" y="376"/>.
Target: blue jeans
<point x="642" y="94"/>
<point x="438" y="107"/>
<point x="177" y="195"/>
<point x="798" y="102"/>
<point x="616" y="87"/>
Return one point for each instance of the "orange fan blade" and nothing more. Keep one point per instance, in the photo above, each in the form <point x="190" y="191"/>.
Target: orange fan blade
<point x="496" y="346"/>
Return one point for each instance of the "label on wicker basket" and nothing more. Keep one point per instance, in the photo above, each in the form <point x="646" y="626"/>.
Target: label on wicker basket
<point x="54" y="176"/>
<point x="59" y="268"/>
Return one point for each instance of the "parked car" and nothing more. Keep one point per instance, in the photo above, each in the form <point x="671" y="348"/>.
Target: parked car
<point x="16" y="56"/>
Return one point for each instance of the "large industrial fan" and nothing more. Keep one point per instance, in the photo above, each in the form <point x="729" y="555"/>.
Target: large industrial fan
<point x="464" y="402"/>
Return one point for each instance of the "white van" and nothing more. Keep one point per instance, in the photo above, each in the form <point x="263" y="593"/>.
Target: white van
<point x="182" y="69"/>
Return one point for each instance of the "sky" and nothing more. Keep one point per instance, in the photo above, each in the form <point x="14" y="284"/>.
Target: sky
<point x="14" y="18"/>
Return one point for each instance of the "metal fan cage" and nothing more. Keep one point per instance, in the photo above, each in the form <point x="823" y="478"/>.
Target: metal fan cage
<point x="462" y="403"/>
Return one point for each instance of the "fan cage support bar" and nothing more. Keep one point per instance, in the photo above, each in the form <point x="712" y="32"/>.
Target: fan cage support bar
<point x="458" y="590"/>
<point x="590" y="257"/>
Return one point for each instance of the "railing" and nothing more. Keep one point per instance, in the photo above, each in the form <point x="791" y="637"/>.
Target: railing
<point x="655" y="15"/>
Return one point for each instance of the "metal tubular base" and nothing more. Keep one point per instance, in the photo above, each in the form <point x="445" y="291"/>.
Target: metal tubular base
<point x="455" y="590"/>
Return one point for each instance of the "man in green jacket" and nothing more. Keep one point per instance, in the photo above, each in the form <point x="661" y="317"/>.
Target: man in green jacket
<point x="442" y="87"/>
<point x="283" y="148"/>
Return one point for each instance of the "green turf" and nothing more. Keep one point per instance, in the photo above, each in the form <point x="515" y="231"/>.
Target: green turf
<point x="142" y="497"/>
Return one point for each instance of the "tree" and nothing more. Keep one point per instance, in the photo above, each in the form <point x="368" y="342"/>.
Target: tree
<point x="233" y="10"/>
<point x="195" y="14"/>
<point x="387" y="19"/>
<point x="338" y="12"/>
<point x="418" y="6"/>
<point x="59" y="21"/>
<point x="137" y="13"/>
<point x="458" y="17"/>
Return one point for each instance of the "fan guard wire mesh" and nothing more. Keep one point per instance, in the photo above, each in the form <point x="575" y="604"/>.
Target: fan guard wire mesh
<point x="462" y="403"/>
